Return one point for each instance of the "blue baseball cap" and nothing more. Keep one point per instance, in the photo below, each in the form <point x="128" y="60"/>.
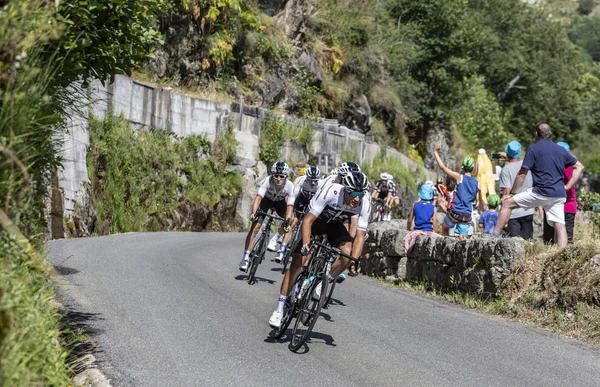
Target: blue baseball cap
<point x="564" y="145"/>
<point x="426" y="192"/>
<point x="513" y="149"/>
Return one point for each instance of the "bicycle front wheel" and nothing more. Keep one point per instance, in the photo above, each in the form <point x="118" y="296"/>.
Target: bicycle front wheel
<point x="308" y="312"/>
<point x="256" y="256"/>
<point x="329" y="294"/>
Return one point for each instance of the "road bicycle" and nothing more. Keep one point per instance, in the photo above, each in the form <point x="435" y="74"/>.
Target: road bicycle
<point x="257" y="254"/>
<point x="303" y="303"/>
<point x="294" y="240"/>
<point x="379" y="210"/>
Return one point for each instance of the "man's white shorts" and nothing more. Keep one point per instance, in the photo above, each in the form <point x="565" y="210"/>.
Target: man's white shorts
<point x="554" y="207"/>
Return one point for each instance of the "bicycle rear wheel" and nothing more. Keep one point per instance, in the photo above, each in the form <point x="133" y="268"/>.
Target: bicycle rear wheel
<point x="308" y="312"/>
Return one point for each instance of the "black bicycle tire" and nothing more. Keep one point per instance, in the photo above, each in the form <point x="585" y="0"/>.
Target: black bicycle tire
<point x="289" y="315"/>
<point x="316" y="311"/>
<point x="328" y="300"/>
<point x="290" y="249"/>
<point x="256" y="257"/>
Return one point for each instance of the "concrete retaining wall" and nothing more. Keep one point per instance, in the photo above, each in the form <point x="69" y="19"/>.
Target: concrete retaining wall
<point x="148" y="107"/>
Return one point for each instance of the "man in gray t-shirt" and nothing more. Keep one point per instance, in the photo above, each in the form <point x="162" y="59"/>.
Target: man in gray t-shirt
<point x="521" y="221"/>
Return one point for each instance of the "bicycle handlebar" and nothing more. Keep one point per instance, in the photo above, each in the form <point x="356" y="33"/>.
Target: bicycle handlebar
<point x="337" y="251"/>
<point x="266" y="214"/>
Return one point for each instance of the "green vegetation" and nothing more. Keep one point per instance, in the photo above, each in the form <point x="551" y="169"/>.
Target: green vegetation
<point x="276" y="130"/>
<point x="489" y="69"/>
<point x="139" y="179"/>
<point x="32" y="345"/>
<point x="402" y="176"/>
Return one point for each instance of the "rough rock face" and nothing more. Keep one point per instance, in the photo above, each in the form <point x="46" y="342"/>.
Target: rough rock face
<point x="407" y="199"/>
<point x="478" y="265"/>
<point x="358" y="114"/>
<point x="435" y="136"/>
<point x="293" y="18"/>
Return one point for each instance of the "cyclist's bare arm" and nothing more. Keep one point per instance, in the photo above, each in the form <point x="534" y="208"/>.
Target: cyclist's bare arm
<point x="256" y="204"/>
<point x="309" y="219"/>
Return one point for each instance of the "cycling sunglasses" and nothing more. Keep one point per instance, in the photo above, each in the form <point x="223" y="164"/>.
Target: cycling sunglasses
<point x="356" y="194"/>
<point x="279" y="177"/>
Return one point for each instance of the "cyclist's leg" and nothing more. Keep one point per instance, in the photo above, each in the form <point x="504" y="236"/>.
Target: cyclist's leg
<point x="299" y="204"/>
<point x="338" y="236"/>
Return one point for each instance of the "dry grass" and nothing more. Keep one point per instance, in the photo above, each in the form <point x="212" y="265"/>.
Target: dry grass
<point x="211" y="91"/>
<point x="554" y="288"/>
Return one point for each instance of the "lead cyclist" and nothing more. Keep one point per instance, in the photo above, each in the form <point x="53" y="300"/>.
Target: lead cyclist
<point x="327" y="214"/>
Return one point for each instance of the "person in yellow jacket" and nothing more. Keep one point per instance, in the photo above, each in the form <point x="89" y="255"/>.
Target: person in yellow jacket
<point x="485" y="177"/>
<point x="300" y="175"/>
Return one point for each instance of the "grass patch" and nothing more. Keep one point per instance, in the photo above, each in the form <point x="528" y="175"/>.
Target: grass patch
<point x="140" y="178"/>
<point x="401" y="174"/>
<point x="553" y="288"/>
<point x="33" y="351"/>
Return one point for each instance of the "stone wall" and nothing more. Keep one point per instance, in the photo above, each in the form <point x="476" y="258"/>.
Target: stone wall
<point x="148" y="107"/>
<point x="475" y="265"/>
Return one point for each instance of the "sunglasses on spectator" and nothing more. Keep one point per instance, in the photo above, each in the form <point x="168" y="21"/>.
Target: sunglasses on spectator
<point x="279" y="177"/>
<point x="356" y="194"/>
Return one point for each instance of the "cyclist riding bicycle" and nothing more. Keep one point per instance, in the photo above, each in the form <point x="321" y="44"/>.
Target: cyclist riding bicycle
<point x="326" y="216"/>
<point x="385" y="190"/>
<point x="274" y="192"/>
<point x="338" y="173"/>
<point x="304" y="190"/>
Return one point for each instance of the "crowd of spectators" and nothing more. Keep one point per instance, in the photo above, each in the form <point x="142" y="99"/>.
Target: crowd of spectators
<point x="541" y="179"/>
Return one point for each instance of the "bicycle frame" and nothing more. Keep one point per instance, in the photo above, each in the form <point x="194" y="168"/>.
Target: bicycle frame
<point x="257" y="254"/>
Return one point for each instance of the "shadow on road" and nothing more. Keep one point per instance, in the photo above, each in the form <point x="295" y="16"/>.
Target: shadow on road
<point x="64" y="270"/>
<point x="315" y="338"/>
<point x="243" y="277"/>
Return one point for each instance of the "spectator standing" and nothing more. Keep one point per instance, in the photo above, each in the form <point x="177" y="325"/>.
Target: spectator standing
<point x="520" y="223"/>
<point x="547" y="162"/>
<point x="570" y="206"/>
<point x="487" y="220"/>
<point x="467" y="187"/>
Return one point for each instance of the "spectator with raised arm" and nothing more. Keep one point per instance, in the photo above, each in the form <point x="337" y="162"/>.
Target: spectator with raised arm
<point x="467" y="187"/>
<point x="546" y="161"/>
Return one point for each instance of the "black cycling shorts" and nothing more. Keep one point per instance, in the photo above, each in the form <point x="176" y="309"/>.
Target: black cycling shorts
<point x="301" y="203"/>
<point x="266" y="204"/>
<point x="336" y="232"/>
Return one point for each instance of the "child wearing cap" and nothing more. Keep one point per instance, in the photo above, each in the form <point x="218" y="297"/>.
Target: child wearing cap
<point x="423" y="211"/>
<point x="467" y="187"/>
<point x="487" y="220"/>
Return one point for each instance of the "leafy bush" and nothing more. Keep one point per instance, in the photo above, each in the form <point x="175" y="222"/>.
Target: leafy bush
<point x="32" y="351"/>
<point x="138" y="176"/>
<point x="272" y="136"/>
<point x="403" y="176"/>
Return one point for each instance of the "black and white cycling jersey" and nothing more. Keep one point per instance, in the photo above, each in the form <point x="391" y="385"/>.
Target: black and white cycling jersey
<point x="303" y="186"/>
<point x="329" y="205"/>
<point x="385" y="186"/>
<point x="268" y="190"/>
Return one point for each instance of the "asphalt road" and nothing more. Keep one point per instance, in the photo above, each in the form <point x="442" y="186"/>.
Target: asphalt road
<point x="171" y="309"/>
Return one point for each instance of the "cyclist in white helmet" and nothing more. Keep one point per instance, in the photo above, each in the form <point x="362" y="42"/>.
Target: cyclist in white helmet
<point x="274" y="192"/>
<point x="385" y="190"/>
<point x="304" y="190"/>
<point x="326" y="215"/>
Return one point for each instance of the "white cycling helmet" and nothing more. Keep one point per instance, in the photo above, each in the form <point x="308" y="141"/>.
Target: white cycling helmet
<point x="386" y="176"/>
<point x="280" y="168"/>
<point x="355" y="181"/>
<point x="312" y="173"/>
<point x="348" y="167"/>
